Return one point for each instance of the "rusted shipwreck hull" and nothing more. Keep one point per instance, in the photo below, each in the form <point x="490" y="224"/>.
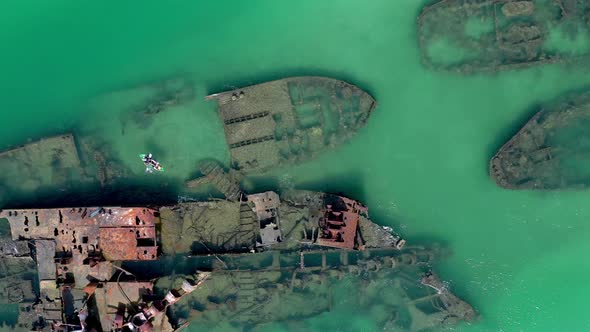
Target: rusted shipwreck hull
<point x="82" y="284"/>
<point x="267" y="221"/>
<point x="74" y="249"/>
<point x="550" y="151"/>
<point x="490" y="35"/>
<point x="290" y="120"/>
<point x="146" y="312"/>
<point x="81" y="288"/>
<point x="78" y="250"/>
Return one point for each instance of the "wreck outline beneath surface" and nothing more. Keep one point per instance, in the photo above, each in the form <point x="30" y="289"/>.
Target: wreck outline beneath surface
<point x="65" y="304"/>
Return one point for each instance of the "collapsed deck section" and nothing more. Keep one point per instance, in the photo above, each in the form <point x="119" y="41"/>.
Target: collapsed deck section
<point x="336" y="221"/>
<point x="462" y="35"/>
<point x="111" y="302"/>
<point x="290" y="120"/>
<point x="15" y="258"/>
<point x="213" y="174"/>
<point x="549" y="151"/>
<point x="17" y="270"/>
<point x="267" y="221"/>
<point x="254" y="289"/>
<point x="205" y="227"/>
<point x="17" y="277"/>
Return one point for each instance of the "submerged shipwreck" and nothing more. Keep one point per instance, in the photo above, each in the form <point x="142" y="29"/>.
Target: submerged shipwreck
<point x="286" y="287"/>
<point x="235" y="260"/>
<point x="48" y="162"/>
<point x="145" y="102"/>
<point x="280" y="123"/>
<point x="257" y="251"/>
<point x="266" y="126"/>
<point x="489" y="35"/>
<point x="290" y="120"/>
<point x="58" y="162"/>
<point x="551" y="151"/>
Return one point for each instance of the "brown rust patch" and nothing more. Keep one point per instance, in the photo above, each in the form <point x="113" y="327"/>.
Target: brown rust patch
<point x="338" y="227"/>
<point x="117" y="233"/>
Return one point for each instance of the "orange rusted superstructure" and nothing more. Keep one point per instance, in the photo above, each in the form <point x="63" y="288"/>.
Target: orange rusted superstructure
<point x="340" y="223"/>
<point x="80" y="251"/>
<point x="75" y="248"/>
<point x="117" y="233"/>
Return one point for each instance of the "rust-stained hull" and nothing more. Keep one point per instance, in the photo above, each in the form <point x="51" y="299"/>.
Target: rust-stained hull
<point x="115" y="232"/>
<point x="266" y="221"/>
<point x="74" y="246"/>
<point x="301" y="230"/>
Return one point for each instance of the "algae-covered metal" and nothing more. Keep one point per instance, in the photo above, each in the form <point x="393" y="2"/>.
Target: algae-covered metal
<point x="15" y="258"/>
<point x="293" y="245"/>
<point x="16" y="272"/>
<point x="57" y="162"/>
<point x="255" y="289"/>
<point x="290" y="120"/>
<point x="51" y="161"/>
<point x="227" y="182"/>
<point x="467" y="36"/>
<point x="551" y="151"/>
<point x="17" y="275"/>
<point x="265" y="220"/>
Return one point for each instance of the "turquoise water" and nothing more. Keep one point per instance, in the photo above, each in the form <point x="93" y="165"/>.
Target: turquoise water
<point x="420" y="165"/>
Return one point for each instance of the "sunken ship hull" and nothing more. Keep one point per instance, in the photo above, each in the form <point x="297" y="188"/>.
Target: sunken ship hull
<point x="290" y="120"/>
<point x="255" y="289"/>
<point x="267" y="221"/>
<point x="58" y="162"/>
<point x="92" y="261"/>
<point x="490" y="35"/>
<point x="49" y="162"/>
<point x="551" y="150"/>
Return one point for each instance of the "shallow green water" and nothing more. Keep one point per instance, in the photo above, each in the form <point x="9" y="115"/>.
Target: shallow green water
<point x="420" y="165"/>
